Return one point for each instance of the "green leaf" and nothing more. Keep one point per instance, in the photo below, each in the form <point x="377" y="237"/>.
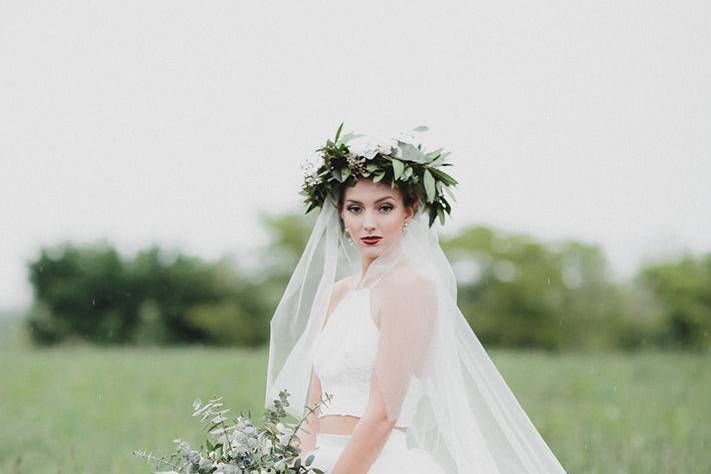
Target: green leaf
<point x="440" y="213"/>
<point x="312" y="206"/>
<point x="345" y="173"/>
<point x="378" y="177"/>
<point x="445" y="204"/>
<point x="338" y="132"/>
<point x="411" y="153"/>
<point x="350" y="136"/>
<point x="429" y="185"/>
<point x="433" y="155"/>
<point x="407" y="173"/>
<point x="398" y="168"/>
<point x="421" y="128"/>
<point x="447" y="179"/>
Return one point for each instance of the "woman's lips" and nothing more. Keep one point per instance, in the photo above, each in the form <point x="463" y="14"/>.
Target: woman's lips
<point x="370" y="240"/>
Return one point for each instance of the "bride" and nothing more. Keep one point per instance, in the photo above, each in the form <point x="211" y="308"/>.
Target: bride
<point x="368" y="338"/>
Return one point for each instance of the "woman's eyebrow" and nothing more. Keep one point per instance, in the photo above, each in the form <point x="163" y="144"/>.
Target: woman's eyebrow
<point x="377" y="201"/>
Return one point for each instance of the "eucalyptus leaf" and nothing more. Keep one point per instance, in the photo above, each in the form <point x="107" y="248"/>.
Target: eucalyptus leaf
<point x="411" y="153"/>
<point x="378" y="177"/>
<point x="398" y="168"/>
<point x="432" y="155"/>
<point x="421" y="128"/>
<point x="429" y="185"/>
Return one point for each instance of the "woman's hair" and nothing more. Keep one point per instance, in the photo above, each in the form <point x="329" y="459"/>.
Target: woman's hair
<point x="409" y="196"/>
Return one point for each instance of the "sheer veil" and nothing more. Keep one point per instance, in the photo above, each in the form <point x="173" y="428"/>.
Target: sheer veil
<point x="465" y="415"/>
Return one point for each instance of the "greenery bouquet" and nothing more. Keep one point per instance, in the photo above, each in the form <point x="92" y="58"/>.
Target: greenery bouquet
<point x="238" y="446"/>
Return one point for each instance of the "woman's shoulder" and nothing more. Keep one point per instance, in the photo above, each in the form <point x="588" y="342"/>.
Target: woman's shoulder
<point x="406" y="297"/>
<point x="405" y="288"/>
<point x="408" y="279"/>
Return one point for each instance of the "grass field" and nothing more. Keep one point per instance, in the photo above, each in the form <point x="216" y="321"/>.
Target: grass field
<point x="82" y="410"/>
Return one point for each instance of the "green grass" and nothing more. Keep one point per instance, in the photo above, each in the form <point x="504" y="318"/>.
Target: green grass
<point x="82" y="410"/>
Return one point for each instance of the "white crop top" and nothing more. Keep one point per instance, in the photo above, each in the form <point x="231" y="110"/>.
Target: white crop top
<point x="344" y="357"/>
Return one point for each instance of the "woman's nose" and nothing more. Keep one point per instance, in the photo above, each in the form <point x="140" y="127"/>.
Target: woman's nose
<point x="369" y="221"/>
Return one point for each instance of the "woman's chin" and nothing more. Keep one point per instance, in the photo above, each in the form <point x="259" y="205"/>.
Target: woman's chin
<point x="371" y="251"/>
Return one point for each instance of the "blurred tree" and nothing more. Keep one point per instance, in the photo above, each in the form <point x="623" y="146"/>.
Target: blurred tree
<point x="518" y="292"/>
<point x="81" y="293"/>
<point x="515" y="291"/>
<point x="90" y="293"/>
<point x="683" y="287"/>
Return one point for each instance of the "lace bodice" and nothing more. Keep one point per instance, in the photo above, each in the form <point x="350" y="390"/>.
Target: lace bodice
<point x="344" y="357"/>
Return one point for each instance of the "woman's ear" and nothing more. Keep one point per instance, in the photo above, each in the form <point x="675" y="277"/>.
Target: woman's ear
<point x="411" y="211"/>
<point x="414" y="208"/>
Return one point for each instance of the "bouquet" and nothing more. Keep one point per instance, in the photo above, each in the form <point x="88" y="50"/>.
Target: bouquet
<point x="238" y="446"/>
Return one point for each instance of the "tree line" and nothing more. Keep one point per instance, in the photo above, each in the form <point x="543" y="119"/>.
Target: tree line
<point x="514" y="290"/>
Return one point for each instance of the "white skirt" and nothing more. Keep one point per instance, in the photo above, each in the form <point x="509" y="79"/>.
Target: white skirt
<point x="394" y="458"/>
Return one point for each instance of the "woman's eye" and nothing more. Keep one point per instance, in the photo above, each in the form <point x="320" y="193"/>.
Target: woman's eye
<point x="386" y="208"/>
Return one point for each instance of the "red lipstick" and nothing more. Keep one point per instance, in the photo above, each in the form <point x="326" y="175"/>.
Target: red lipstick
<point x="372" y="240"/>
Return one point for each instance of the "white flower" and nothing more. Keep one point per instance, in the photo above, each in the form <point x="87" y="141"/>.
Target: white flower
<point x="386" y="146"/>
<point x="370" y="147"/>
<point x="267" y="446"/>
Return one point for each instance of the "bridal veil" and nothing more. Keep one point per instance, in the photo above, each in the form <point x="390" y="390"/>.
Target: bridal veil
<point x="466" y="417"/>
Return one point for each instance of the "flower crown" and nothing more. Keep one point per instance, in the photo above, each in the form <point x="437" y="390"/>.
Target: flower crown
<point x="390" y="161"/>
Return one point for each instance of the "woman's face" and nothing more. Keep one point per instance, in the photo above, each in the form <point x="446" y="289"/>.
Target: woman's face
<point x="374" y="210"/>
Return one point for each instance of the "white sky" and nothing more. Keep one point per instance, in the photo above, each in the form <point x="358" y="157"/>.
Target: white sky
<point x="175" y="121"/>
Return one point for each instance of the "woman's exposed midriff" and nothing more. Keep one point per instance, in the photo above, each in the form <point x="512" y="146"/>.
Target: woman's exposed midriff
<point x="342" y="424"/>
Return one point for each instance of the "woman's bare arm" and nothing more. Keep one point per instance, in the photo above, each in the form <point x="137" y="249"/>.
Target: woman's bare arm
<point x="405" y="322"/>
<point x="307" y="431"/>
<point x="368" y="437"/>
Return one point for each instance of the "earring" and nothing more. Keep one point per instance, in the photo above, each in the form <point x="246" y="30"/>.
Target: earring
<point x="404" y="228"/>
<point x="350" y="241"/>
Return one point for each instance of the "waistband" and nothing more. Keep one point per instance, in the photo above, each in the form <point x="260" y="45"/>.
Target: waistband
<point x="396" y="439"/>
<point x="400" y="423"/>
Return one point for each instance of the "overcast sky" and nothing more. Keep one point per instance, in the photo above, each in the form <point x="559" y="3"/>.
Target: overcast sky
<point x="176" y="122"/>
